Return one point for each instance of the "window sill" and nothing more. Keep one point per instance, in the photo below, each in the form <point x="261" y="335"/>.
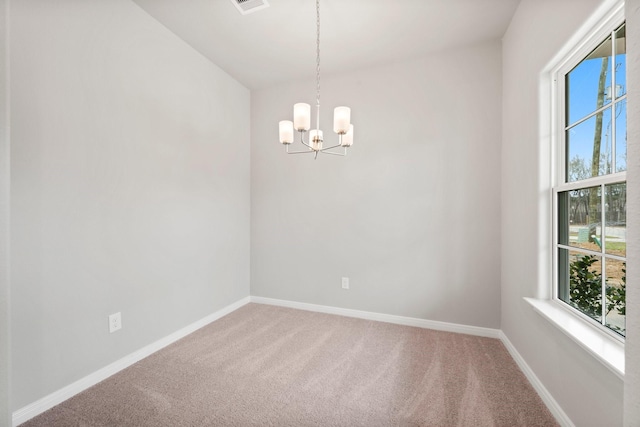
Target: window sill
<point x="606" y="349"/>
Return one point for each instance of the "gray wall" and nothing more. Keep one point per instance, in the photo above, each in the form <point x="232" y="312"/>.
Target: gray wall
<point x="129" y="191"/>
<point x="632" y="345"/>
<point x="589" y="393"/>
<point x="411" y="215"/>
<point x="5" y="340"/>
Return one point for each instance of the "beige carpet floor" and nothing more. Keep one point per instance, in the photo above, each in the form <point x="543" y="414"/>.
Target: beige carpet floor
<point x="271" y="366"/>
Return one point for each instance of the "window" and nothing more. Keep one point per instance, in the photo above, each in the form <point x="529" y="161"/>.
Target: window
<point x="590" y="181"/>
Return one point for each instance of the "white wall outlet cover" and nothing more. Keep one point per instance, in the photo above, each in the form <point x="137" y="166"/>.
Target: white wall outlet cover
<point x="115" y="322"/>
<point x="345" y="283"/>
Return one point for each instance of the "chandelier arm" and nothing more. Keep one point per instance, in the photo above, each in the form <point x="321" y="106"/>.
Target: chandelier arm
<point x="308" y="145"/>
<point x="300" y="152"/>
<point x="329" y="148"/>
<point x="334" y="153"/>
<point x="302" y="140"/>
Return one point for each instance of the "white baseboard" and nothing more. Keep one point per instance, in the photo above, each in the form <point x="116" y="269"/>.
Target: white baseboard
<point x="562" y="418"/>
<point x="387" y="318"/>
<point x="26" y="413"/>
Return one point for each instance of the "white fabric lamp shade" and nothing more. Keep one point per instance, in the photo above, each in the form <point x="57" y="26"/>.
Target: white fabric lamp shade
<point x="341" y="119"/>
<point x="347" y="138"/>
<point x="286" y="131"/>
<point x="315" y="134"/>
<point x="315" y="139"/>
<point x="301" y="116"/>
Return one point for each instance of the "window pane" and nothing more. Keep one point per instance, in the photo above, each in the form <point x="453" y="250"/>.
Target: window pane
<point x="586" y="84"/>
<point x="621" y="62"/>
<point x="621" y="135"/>
<point x="584" y="290"/>
<point x="563" y="275"/>
<point x="565" y="234"/>
<point x="615" y="234"/>
<point x="616" y="295"/>
<point x="581" y="209"/>
<point x="588" y="145"/>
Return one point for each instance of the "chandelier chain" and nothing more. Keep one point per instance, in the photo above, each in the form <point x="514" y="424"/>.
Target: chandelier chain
<point x="318" y="53"/>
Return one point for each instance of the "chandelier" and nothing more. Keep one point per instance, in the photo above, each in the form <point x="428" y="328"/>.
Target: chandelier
<point x="302" y="119"/>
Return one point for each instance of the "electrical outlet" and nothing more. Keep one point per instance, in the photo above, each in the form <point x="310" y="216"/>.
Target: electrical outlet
<point x="115" y="322"/>
<point x="345" y="283"/>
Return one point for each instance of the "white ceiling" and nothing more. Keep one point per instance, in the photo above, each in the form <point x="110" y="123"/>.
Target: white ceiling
<point x="277" y="44"/>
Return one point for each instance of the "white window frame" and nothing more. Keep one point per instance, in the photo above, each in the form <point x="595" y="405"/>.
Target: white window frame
<point x="558" y="161"/>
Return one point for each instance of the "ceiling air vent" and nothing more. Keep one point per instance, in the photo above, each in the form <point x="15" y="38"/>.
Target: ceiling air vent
<point x="249" y="6"/>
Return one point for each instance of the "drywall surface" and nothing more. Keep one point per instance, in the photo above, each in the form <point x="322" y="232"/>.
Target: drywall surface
<point x="5" y="337"/>
<point x="411" y="216"/>
<point x="129" y="192"/>
<point x="632" y="346"/>
<point x="587" y="391"/>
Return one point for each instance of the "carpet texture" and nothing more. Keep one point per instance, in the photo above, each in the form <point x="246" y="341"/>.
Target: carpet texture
<point x="272" y="366"/>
